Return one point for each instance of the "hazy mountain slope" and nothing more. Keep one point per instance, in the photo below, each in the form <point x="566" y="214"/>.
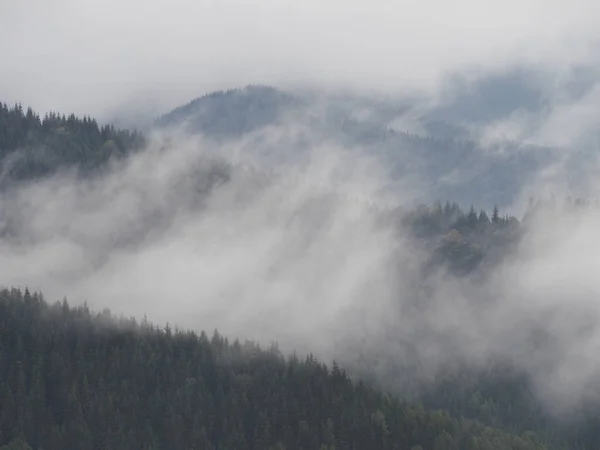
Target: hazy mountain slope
<point x="281" y="127"/>
<point x="232" y="113"/>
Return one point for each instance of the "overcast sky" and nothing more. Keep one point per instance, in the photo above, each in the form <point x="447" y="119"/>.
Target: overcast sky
<point x="91" y="56"/>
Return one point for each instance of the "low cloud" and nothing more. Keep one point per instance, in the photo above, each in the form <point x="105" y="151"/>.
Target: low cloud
<point x="297" y="256"/>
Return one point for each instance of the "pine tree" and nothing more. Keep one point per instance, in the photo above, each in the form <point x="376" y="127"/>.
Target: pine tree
<point x="495" y="215"/>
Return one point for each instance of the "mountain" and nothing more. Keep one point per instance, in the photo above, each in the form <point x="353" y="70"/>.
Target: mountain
<point x="72" y="378"/>
<point x="280" y="127"/>
<point x="232" y="113"/>
<point x="127" y="396"/>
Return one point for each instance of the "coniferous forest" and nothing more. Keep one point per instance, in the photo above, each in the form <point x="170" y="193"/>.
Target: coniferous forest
<point x="72" y="378"/>
<point x="33" y="146"/>
<point x="75" y="378"/>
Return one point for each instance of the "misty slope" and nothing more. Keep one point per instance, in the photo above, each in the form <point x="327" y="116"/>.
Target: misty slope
<point x="292" y="124"/>
<point x="232" y="113"/>
<point x="71" y="378"/>
<point x="275" y="129"/>
<point x="36" y="148"/>
<point x="181" y="215"/>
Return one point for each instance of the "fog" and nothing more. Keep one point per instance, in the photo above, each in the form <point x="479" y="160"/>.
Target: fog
<point x="299" y="255"/>
<point x="272" y="257"/>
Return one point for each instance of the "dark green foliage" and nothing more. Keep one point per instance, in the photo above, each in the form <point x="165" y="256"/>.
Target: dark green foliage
<point x="32" y="147"/>
<point x="505" y="398"/>
<point x="462" y="242"/>
<point x="16" y="444"/>
<point x="70" y="378"/>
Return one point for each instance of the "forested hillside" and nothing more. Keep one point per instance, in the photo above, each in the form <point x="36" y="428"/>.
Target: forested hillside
<point x="72" y="378"/>
<point x="31" y="146"/>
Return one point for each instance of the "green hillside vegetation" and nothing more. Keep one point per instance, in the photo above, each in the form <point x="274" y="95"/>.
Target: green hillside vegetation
<point x="72" y="378"/>
<point x="32" y="147"/>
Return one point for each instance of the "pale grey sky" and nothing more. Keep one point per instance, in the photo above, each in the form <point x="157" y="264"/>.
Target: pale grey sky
<point x="90" y="56"/>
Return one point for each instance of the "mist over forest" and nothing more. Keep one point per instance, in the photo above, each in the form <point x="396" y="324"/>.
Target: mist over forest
<point x="389" y="245"/>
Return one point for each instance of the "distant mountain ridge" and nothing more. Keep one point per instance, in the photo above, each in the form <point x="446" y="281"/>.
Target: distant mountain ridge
<point x="440" y="168"/>
<point x="273" y="128"/>
<point x="232" y="112"/>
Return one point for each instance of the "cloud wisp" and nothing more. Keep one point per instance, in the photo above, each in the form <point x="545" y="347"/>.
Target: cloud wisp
<point x="296" y="256"/>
